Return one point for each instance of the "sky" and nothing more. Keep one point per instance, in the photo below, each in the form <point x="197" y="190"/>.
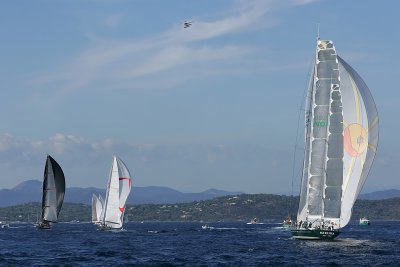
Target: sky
<point x="216" y="105"/>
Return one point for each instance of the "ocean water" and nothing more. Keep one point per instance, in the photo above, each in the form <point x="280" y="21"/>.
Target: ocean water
<point x="187" y="244"/>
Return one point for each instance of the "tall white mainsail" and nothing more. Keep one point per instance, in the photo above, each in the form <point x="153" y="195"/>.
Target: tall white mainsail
<point x="341" y="137"/>
<point x="118" y="189"/>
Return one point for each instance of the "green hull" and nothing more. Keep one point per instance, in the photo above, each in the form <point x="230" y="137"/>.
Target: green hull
<point x="314" y="234"/>
<point x="364" y="223"/>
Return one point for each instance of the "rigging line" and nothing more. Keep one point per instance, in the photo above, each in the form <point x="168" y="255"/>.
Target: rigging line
<point x="299" y="172"/>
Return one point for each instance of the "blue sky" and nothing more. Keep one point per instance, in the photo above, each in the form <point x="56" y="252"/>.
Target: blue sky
<point x="212" y="106"/>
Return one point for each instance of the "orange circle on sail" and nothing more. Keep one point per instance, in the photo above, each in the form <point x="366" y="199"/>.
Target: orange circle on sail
<point x="355" y="139"/>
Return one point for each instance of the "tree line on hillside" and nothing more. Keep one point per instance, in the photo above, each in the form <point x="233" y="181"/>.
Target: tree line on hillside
<point x="265" y="207"/>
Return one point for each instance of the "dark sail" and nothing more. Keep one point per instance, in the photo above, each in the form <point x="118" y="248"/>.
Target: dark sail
<point x="53" y="191"/>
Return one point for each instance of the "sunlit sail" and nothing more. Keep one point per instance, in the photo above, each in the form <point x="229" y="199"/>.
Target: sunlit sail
<point x="341" y="137"/>
<point x="118" y="189"/>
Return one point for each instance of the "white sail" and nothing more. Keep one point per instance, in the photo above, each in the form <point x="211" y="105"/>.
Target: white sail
<point x="341" y="137"/>
<point x="97" y="208"/>
<point x="101" y="211"/>
<point x="125" y="184"/>
<point x="361" y="133"/>
<point x="49" y="209"/>
<point x="95" y="200"/>
<point x="112" y="216"/>
<point x="119" y="187"/>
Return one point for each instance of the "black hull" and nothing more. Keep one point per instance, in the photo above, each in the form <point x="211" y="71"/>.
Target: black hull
<point x="107" y="228"/>
<point x="44" y="226"/>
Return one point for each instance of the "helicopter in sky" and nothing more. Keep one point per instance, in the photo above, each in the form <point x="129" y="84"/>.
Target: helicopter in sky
<point x="187" y="24"/>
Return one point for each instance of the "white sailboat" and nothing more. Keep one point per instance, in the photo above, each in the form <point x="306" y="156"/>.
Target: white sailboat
<point x="341" y="137"/>
<point x="118" y="189"/>
<point x="97" y="208"/>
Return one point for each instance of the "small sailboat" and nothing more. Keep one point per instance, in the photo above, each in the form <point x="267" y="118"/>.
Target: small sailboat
<point x="118" y="189"/>
<point x="53" y="193"/>
<point x="364" y="221"/>
<point x="341" y="137"/>
<point x="97" y="208"/>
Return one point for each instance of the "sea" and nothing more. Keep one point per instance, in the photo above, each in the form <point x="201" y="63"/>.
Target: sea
<point x="188" y="244"/>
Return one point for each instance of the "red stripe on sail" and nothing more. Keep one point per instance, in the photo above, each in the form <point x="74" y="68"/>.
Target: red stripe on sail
<point x="130" y="180"/>
<point x="122" y="209"/>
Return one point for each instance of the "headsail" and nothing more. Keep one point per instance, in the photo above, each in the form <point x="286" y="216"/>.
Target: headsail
<point x="53" y="191"/>
<point x="341" y="136"/>
<point x="361" y="133"/>
<point x="125" y="184"/>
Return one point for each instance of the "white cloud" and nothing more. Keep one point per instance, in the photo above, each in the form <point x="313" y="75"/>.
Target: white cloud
<point x="59" y="143"/>
<point x="6" y="140"/>
<point x="132" y="63"/>
<point x="181" y="166"/>
<point x="191" y="167"/>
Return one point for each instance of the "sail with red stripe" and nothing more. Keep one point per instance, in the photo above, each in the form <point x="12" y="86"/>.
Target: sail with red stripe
<point x="118" y="189"/>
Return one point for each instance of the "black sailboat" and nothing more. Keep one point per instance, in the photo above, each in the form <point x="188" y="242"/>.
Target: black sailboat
<point x="53" y="193"/>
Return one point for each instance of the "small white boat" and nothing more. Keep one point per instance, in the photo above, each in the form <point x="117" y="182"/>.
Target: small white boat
<point x="206" y="227"/>
<point x="253" y="221"/>
<point x="4" y="225"/>
<point x="364" y="221"/>
<point x="287" y="222"/>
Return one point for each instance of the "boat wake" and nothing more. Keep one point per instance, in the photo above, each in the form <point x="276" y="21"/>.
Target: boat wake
<point x="226" y="228"/>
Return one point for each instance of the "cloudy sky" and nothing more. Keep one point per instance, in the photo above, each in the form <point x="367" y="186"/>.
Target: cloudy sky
<point x="213" y="106"/>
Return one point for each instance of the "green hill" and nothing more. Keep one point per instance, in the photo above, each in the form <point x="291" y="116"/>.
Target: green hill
<point x="265" y="207"/>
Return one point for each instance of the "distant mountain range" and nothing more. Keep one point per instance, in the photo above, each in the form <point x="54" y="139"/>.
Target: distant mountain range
<point x="377" y="195"/>
<point x="31" y="191"/>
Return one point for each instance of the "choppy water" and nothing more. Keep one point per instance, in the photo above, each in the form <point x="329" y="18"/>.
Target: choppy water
<point x="187" y="244"/>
